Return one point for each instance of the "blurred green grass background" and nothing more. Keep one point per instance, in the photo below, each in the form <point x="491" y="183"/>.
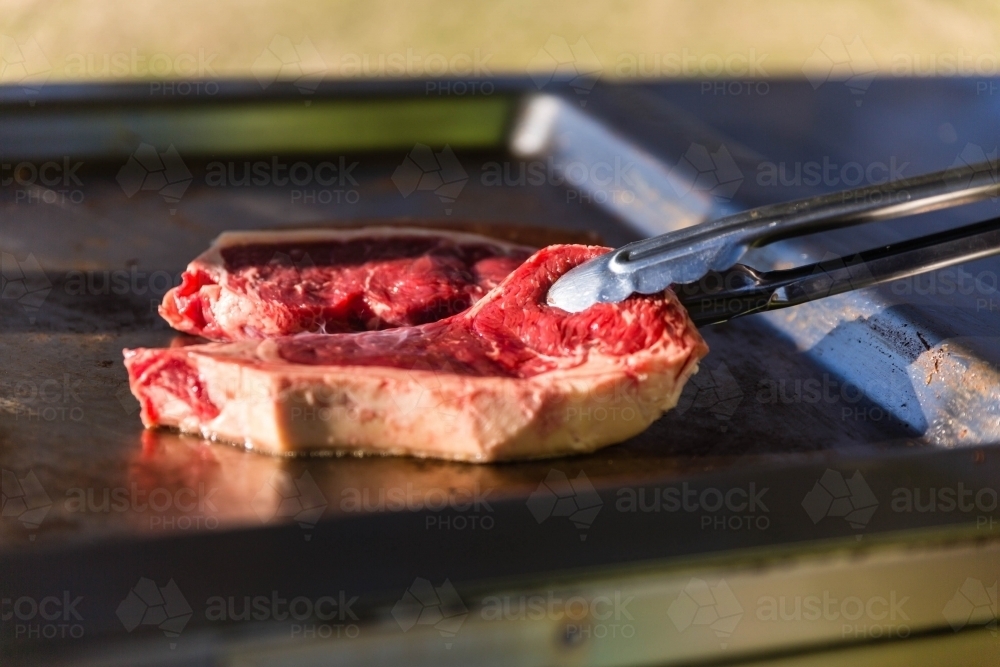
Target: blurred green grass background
<point x="117" y="40"/>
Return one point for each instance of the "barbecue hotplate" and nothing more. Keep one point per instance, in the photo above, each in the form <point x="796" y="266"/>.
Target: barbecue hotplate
<point x="813" y="433"/>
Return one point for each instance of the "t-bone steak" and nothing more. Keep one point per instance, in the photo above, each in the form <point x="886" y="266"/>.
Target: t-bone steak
<point x="509" y="378"/>
<point x="263" y="284"/>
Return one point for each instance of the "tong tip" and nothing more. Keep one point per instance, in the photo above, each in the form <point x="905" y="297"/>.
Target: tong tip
<point x="583" y="286"/>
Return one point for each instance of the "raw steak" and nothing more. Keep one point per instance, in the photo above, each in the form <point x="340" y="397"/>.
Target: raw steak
<point x="510" y="378"/>
<point x="254" y="285"/>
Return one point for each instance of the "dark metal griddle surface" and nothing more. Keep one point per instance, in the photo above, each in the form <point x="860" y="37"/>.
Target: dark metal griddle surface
<point x="67" y="419"/>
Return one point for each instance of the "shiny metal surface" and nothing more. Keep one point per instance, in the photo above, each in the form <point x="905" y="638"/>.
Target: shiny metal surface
<point x="608" y="171"/>
<point x="686" y="255"/>
<point x="741" y="290"/>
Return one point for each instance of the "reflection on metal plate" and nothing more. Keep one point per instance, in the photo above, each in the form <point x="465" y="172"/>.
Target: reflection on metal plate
<point x="611" y="172"/>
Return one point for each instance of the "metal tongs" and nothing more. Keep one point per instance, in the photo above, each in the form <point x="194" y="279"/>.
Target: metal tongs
<point x="685" y="258"/>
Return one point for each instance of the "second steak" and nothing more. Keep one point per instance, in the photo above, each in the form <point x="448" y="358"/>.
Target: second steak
<point x="262" y="284"/>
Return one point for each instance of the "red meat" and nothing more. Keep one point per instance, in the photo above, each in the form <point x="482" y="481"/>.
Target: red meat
<point x="510" y="378"/>
<point x="255" y="285"/>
